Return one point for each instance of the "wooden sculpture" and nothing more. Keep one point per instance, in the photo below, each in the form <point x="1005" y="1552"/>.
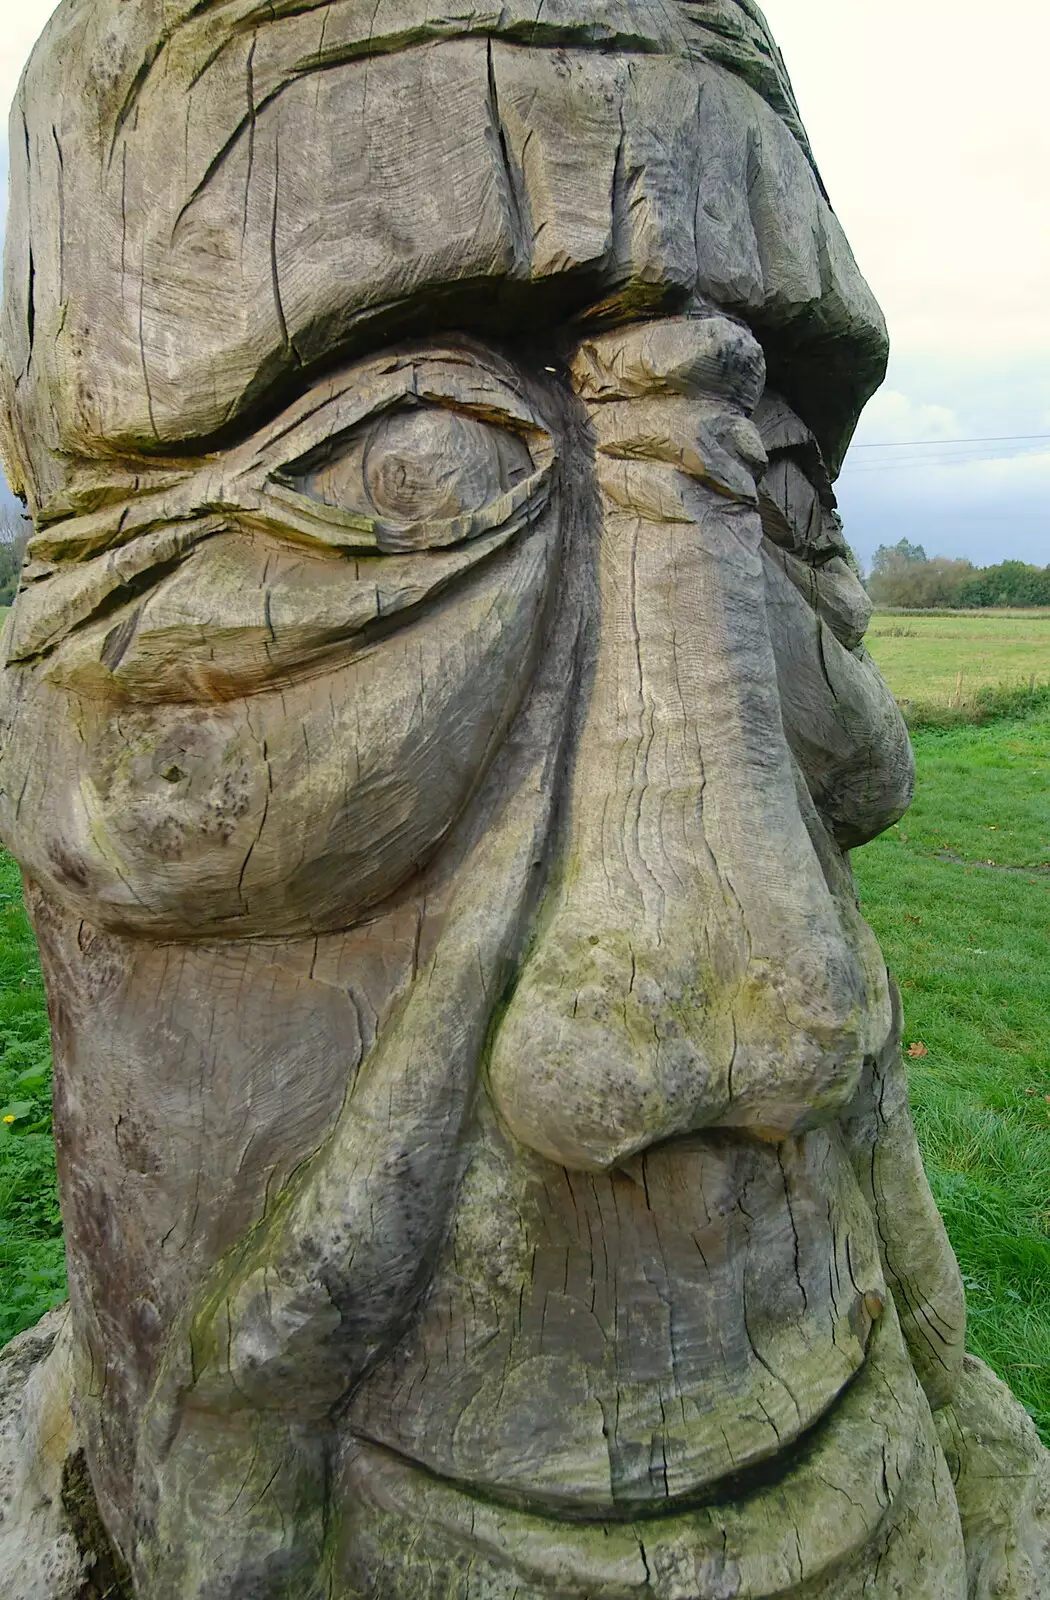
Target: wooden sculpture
<point x="433" y="726"/>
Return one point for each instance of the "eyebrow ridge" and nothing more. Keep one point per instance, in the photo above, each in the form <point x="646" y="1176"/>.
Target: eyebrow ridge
<point x="529" y="34"/>
<point x="386" y="45"/>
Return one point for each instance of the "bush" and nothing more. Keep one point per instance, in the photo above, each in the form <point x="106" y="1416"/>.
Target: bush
<point x="1011" y="583"/>
<point x="903" y="577"/>
<point x="925" y="585"/>
<point x="989" y="703"/>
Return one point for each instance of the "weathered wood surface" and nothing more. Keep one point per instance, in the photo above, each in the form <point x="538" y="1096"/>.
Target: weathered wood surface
<point x="433" y="727"/>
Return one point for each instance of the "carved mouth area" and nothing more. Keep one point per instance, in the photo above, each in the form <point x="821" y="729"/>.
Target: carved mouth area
<point x="625" y="1344"/>
<point x="831" y="1483"/>
<point x="646" y="1501"/>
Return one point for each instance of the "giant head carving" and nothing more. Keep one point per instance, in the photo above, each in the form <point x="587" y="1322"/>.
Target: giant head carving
<point x="434" y="724"/>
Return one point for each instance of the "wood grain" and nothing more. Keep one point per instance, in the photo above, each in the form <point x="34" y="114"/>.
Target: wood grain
<point x="433" y="726"/>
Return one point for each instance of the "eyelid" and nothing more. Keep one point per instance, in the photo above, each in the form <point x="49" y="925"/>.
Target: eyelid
<point x="346" y="530"/>
<point x="462" y="385"/>
<point x="247" y="481"/>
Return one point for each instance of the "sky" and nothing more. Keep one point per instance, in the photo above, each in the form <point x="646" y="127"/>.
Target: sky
<point x="930" y="131"/>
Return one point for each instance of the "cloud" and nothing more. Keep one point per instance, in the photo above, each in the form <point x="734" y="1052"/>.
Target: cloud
<point x="18" y="34"/>
<point x="932" y="137"/>
<point x="906" y="477"/>
<point x="23" y="25"/>
<point x="892" y="416"/>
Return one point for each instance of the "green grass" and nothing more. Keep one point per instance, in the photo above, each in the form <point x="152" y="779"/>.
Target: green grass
<point x="32" y="1267"/>
<point x="959" y="895"/>
<point x="944" y="660"/>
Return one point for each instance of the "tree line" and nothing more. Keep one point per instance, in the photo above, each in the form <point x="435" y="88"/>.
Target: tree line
<point x="902" y="575"/>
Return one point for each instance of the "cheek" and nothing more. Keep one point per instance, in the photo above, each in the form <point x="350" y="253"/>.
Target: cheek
<point x="291" y="811"/>
<point x="841" y="721"/>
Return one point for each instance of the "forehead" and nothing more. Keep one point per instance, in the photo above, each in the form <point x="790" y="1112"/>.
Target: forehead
<point x="221" y="204"/>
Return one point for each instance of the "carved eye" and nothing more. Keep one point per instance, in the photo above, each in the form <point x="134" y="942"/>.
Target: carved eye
<point x="421" y="474"/>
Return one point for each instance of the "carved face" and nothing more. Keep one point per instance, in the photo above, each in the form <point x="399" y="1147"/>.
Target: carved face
<point x="422" y="442"/>
<point x="272" y="644"/>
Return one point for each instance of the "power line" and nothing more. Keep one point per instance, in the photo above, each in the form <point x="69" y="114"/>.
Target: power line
<point x="928" y="462"/>
<point x="968" y="452"/>
<point x="932" y="444"/>
<point x="860" y="466"/>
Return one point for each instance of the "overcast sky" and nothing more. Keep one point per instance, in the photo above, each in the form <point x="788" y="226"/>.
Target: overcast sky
<point x="930" y="130"/>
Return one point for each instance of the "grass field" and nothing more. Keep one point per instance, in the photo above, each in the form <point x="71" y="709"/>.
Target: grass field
<point x="959" y="894"/>
<point x="946" y="657"/>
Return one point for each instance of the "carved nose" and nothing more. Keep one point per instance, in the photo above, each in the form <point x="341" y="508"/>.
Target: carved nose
<point x="691" y="968"/>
